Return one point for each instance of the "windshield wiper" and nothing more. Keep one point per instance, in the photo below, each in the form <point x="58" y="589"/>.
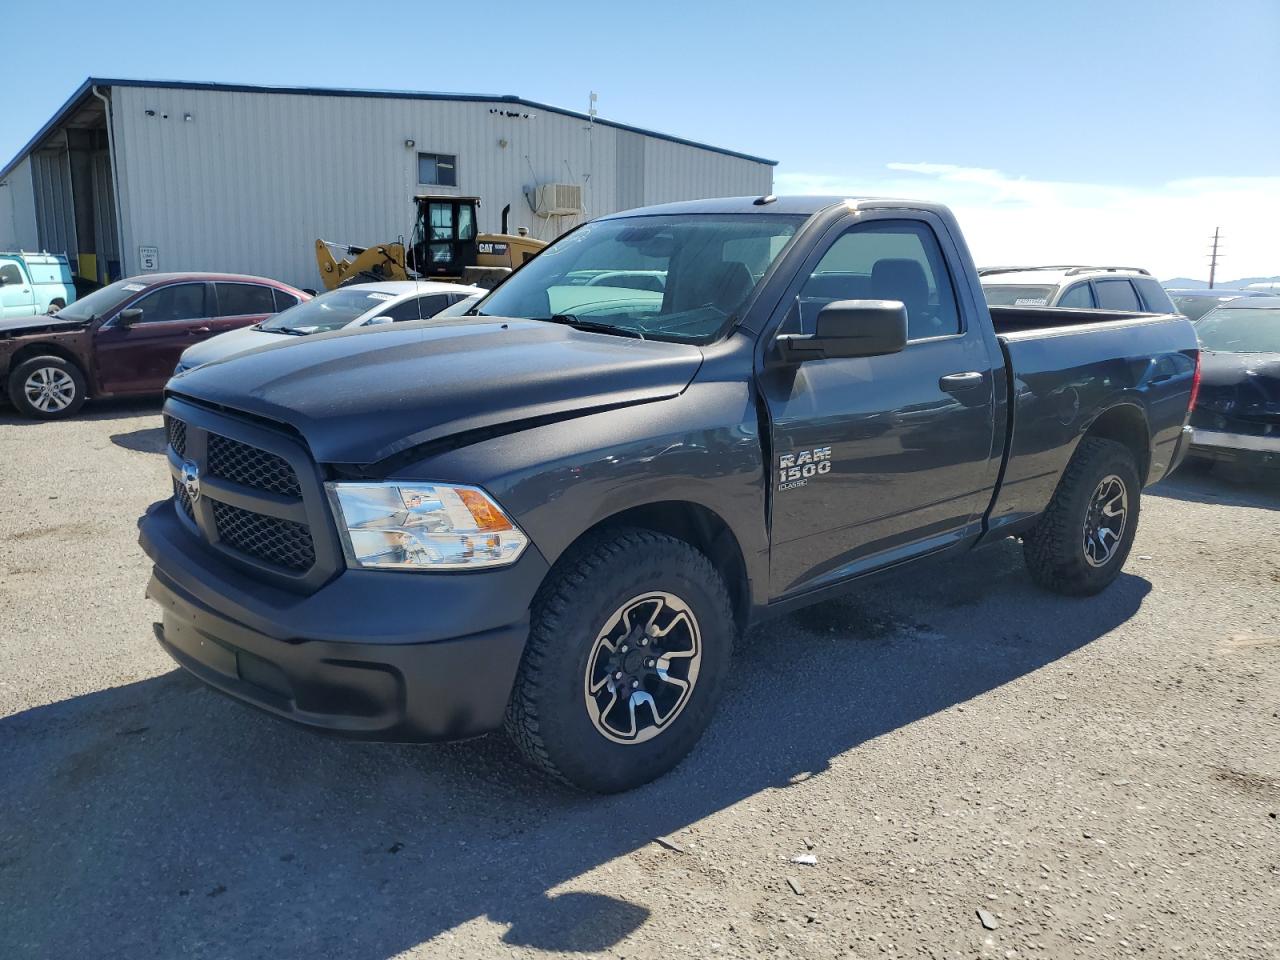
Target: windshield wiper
<point x="591" y="326"/>
<point x="292" y="331"/>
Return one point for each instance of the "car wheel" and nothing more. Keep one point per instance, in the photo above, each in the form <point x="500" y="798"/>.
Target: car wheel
<point x="47" y="388"/>
<point x="55" y="305"/>
<point x="1083" y="539"/>
<point x="629" y="646"/>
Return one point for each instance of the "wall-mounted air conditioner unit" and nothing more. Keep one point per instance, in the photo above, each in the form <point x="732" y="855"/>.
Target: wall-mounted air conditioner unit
<point x="557" y="199"/>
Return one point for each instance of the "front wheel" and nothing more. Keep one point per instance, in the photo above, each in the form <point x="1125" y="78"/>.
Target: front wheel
<point x="47" y="388"/>
<point x="1084" y="537"/>
<point x="630" y="643"/>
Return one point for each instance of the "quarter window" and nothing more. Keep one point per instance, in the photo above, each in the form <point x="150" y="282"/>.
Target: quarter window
<point x="438" y="169"/>
<point x="1153" y="295"/>
<point x="1079" y="296"/>
<point x="886" y="260"/>
<point x="285" y="300"/>
<point x="1116" y="295"/>
<point x="244" y="299"/>
<point x="182" y="301"/>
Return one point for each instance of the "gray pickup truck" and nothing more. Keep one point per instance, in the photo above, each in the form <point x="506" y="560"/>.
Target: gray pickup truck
<point x="555" y="514"/>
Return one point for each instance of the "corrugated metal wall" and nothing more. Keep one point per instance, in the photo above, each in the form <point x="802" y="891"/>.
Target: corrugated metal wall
<point x="18" y="229"/>
<point x="252" y="179"/>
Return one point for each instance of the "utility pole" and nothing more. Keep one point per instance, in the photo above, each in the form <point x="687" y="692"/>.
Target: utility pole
<point x="1213" y="258"/>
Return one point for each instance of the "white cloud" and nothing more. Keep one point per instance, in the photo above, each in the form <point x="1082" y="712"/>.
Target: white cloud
<point x="1009" y="219"/>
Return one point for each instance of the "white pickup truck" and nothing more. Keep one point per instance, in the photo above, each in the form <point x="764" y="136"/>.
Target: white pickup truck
<point x="34" y="283"/>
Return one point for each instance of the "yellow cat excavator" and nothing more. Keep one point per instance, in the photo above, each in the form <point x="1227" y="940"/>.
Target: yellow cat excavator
<point x="445" y="246"/>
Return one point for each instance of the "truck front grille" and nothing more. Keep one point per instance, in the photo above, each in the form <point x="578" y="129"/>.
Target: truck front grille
<point x="251" y="494"/>
<point x="176" y="432"/>
<point x="184" y="501"/>
<point x="243" y="464"/>
<point x="282" y="543"/>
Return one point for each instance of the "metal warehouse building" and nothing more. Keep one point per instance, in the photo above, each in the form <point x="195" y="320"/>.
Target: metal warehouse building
<point x="137" y="176"/>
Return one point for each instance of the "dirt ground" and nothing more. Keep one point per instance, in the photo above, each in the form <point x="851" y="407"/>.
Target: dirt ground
<point x="1098" y="778"/>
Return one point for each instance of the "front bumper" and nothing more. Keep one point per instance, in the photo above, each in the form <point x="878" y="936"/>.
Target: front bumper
<point x="1238" y="448"/>
<point x="377" y="655"/>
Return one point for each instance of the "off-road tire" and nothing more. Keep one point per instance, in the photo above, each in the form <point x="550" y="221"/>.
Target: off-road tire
<point x="547" y="716"/>
<point x="19" y="375"/>
<point x="1054" y="549"/>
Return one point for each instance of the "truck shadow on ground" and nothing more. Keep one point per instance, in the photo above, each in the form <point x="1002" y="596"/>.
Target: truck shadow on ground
<point x="159" y="818"/>
<point x="1224" y="484"/>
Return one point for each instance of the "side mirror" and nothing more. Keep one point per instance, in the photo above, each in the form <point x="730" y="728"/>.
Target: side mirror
<point x="127" y="318"/>
<point x="379" y="320"/>
<point x="850" y="328"/>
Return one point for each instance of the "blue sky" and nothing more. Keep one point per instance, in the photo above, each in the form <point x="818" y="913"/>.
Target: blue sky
<point x="1064" y="130"/>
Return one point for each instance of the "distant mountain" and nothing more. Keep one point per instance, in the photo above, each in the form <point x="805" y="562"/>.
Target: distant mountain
<point x="1180" y="283"/>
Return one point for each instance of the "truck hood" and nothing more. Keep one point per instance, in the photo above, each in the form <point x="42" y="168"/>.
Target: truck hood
<point x="17" y="326"/>
<point x="360" y="396"/>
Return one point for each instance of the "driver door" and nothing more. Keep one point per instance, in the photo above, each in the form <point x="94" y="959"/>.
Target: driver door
<point x="140" y="358"/>
<point x="879" y="458"/>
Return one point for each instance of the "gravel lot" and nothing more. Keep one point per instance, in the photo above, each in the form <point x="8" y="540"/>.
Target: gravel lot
<point x="1101" y="777"/>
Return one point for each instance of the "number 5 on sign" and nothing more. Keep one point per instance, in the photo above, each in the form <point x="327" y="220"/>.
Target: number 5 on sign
<point x="148" y="259"/>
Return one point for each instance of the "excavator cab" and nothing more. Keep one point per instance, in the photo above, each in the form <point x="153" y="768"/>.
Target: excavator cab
<point x="444" y="236"/>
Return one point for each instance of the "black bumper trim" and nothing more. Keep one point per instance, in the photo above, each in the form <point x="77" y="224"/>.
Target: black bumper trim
<point x="437" y="690"/>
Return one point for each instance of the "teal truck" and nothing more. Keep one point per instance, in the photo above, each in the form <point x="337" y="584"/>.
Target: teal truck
<point x="32" y="284"/>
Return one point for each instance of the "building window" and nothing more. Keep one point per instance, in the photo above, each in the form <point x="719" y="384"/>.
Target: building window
<point x="437" y="169"/>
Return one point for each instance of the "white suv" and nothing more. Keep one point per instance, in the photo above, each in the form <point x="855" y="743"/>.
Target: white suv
<point x="1106" y="288"/>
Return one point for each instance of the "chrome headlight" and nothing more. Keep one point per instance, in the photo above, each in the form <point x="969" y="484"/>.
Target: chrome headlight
<point x="423" y="526"/>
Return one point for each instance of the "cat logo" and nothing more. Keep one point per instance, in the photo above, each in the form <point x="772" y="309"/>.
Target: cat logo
<point x="797" y="469"/>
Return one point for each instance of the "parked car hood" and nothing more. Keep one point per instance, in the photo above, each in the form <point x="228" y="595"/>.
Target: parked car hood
<point x="360" y="396"/>
<point x="229" y="344"/>
<point x="17" y="326"/>
<point x="1240" y="385"/>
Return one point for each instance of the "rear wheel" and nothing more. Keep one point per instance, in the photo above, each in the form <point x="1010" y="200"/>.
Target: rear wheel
<point x="47" y="387"/>
<point x="56" y="304"/>
<point x="1084" y="537"/>
<point x="629" y="647"/>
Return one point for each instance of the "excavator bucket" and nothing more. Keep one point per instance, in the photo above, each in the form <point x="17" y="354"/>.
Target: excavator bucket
<point x="366" y="264"/>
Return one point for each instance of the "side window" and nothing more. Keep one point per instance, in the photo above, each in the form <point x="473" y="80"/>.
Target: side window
<point x="1153" y="295"/>
<point x="182" y="301"/>
<point x="10" y="274"/>
<point x="1078" y="296"/>
<point x="405" y="310"/>
<point x="886" y="260"/>
<point x="1116" y="295"/>
<point x="244" y="299"/>
<point x="430" y="306"/>
<point x="284" y="300"/>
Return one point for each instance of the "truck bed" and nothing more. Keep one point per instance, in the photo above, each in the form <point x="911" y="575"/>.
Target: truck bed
<point x="1014" y="320"/>
<point x="1068" y="364"/>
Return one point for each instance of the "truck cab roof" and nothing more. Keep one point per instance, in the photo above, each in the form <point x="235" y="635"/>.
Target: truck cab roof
<point x="790" y="205"/>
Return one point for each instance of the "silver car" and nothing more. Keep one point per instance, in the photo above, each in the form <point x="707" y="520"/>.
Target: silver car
<point x="358" y="305"/>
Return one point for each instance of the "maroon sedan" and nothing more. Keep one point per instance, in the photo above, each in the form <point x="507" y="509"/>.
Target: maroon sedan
<point x="125" y="338"/>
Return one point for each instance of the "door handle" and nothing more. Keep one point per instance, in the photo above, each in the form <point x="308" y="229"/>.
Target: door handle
<point x="962" y="381"/>
<point x="198" y="330"/>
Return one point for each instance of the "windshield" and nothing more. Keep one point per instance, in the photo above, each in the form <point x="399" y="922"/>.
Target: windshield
<point x="101" y="302"/>
<point x="1194" y="306"/>
<point x="1243" y="330"/>
<point x="664" y="278"/>
<point x="329" y="311"/>
<point x="1018" y="295"/>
